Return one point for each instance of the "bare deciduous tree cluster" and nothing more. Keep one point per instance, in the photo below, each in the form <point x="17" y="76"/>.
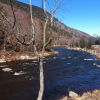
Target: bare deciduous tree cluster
<point x="30" y="38"/>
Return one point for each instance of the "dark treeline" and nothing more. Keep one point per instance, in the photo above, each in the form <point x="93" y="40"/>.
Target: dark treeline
<point x="83" y="43"/>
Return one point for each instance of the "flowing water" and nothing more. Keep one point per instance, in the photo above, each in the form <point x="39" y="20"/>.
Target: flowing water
<point x="69" y="70"/>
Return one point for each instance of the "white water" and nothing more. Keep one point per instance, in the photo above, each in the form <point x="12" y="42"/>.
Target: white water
<point x="90" y="59"/>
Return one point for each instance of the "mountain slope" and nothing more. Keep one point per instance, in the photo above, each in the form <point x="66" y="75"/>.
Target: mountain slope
<point x="62" y="34"/>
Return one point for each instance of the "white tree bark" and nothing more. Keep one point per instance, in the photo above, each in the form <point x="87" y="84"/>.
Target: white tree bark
<point x="33" y="30"/>
<point x="40" y="95"/>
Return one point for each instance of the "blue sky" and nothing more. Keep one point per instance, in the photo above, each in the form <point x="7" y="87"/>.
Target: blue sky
<point x="83" y="15"/>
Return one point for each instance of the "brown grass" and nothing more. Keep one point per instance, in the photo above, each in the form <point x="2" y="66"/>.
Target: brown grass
<point x="95" y="95"/>
<point x="94" y="51"/>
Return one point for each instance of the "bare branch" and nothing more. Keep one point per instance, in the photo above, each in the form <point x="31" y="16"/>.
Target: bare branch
<point x="44" y="31"/>
<point x="49" y="6"/>
<point x="3" y="15"/>
<point x="49" y="40"/>
<point x="33" y="30"/>
<point x="23" y="42"/>
<point x="32" y="41"/>
<point x="53" y="11"/>
<point x="14" y="21"/>
<point x="59" y="5"/>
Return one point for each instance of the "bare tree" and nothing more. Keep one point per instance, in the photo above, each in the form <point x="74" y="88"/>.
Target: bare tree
<point x="45" y="43"/>
<point x="7" y="25"/>
<point x="40" y="55"/>
<point x="47" y="20"/>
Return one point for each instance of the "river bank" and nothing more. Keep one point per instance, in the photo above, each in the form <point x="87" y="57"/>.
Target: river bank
<point x="15" y="56"/>
<point x="94" y="95"/>
<point x="93" y="51"/>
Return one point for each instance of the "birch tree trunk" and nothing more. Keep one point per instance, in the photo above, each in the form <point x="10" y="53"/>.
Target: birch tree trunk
<point x="40" y="95"/>
<point x="33" y="31"/>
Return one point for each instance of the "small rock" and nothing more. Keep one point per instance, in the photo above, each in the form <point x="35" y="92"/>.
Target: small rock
<point x="19" y="73"/>
<point x="6" y="69"/>
<point x="47" y="54"/>
<point x="73" y="94"/>
<point x="98" y="65"/>
<point x="69" y="57"/>
<point x="54" y="57"/>
<point x="24" y="57"/>
<point x="56" y="52"/>
<point x="94" y="64"/>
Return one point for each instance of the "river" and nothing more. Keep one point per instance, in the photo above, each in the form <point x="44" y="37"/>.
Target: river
<point x="70" y="70"/>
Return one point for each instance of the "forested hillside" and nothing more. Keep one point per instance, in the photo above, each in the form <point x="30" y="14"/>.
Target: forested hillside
<point x="62" y="34"/>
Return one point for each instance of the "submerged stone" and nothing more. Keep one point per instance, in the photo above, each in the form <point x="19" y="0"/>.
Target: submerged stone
<point x="6" y="69"/>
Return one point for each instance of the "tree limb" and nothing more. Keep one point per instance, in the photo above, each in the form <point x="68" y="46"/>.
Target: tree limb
<point x="14" y="22"/>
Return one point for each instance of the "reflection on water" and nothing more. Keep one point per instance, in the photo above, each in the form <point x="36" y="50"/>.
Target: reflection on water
<point x="68" y="70"/>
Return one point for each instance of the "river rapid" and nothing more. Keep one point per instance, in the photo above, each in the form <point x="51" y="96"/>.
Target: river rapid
<point x="70" y="70"/>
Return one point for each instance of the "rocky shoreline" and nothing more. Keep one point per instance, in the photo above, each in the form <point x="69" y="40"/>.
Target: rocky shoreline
<point x="22" y="56"/>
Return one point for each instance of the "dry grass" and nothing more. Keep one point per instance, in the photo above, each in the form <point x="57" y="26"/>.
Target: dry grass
<point x="14" y="56"/>
<point x="95" y="51"/>
<point x="95" y="95"/>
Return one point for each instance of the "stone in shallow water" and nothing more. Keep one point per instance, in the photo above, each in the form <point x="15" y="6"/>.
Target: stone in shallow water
<point x="97" y="65"/>
<point x="19" y="73"/>
<point x="6" y="69"/>
<point x="54" y="57"/>
<point x="69" y="57"/>
<point x="34" y="61"/>
<point x="94" y="64"/>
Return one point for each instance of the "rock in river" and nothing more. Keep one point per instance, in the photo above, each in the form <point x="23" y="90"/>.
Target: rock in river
<point x="6" y="69"/>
